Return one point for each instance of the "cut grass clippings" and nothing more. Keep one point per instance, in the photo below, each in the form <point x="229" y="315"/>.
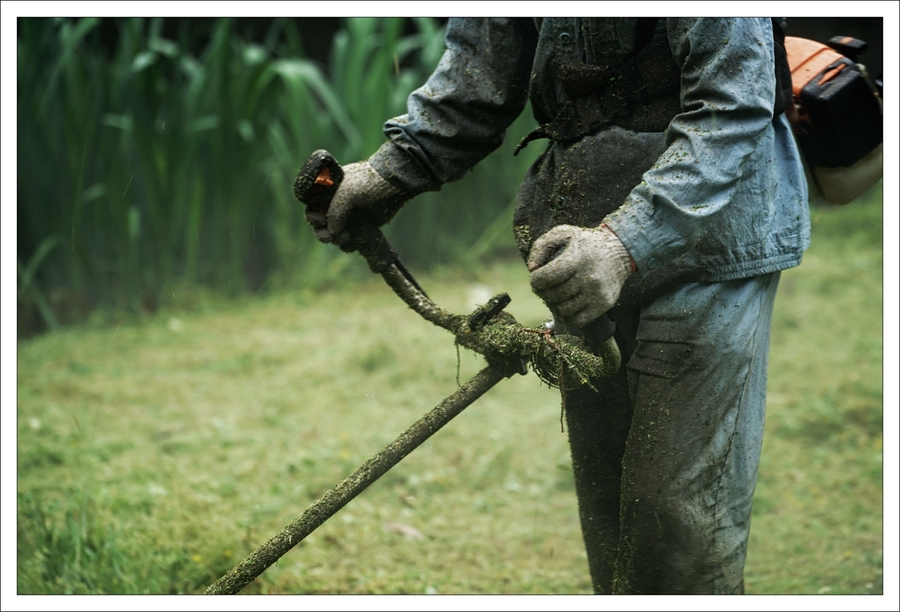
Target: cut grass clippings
<point x="157" y="452"/>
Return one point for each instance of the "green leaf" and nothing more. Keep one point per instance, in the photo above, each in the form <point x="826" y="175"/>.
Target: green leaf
<point x="93" y="192"/>
<point x="210" y="122"/>
<point x="70" y="35"/>
<point x="245" y="129"/>
<point x="254" y="55"/>
<point x="27" y="272"/>
<point x="121" y="122"/>
<point x="143" y="60"/>
<point x="297" y="72"/>
<point x="134" y="223"/>
<point x="163" y="47"/>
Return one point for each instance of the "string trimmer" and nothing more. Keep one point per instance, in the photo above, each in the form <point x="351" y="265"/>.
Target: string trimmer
<point x="560" y="360"/>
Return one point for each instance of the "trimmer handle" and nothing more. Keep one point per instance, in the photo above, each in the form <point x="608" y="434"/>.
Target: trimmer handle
<point x="597" y="331"/>
<point x="315" y="186"/>
<point x="318" y="180"/>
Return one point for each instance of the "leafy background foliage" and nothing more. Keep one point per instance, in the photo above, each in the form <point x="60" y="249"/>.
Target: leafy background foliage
<point x="152" y="157"/>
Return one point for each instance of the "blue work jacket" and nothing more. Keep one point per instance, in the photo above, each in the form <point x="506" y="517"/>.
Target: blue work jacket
<point x="723" y="195"/>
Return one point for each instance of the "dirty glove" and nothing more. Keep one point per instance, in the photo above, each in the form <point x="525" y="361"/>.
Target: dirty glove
<point x="362" y="191"/>
<point x="579" y="272"/>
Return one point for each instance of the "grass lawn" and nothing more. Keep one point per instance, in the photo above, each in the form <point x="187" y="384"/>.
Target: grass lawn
<point x="156" y="453"/>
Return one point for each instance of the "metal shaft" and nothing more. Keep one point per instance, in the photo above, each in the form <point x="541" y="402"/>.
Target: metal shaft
<point x="247" y="570"/>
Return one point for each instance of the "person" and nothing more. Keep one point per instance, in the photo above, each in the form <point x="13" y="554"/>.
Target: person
<point x="669" y="197"/>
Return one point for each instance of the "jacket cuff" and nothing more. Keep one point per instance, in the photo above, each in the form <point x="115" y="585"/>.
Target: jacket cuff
<point x="648" y="232"/>
<point x="622" y="250"/>
<point x="395" y="165"/>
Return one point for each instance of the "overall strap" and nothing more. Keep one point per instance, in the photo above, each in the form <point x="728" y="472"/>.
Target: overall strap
<point x="619" y="95"/>
<point x="641" y="94"/>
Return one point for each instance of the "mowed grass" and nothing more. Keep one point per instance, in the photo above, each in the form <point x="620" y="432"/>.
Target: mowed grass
<point x="154" y="454"/>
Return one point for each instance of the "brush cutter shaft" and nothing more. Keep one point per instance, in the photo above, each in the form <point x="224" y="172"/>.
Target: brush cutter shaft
<point x="338" y="497"/>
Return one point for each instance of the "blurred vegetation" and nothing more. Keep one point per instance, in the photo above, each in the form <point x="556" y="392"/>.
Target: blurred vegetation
<point x="153" y="155"/>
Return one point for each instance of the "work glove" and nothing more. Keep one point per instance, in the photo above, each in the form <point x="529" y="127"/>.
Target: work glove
<point x="362" y="191"/>
<point x="579" y="272"/>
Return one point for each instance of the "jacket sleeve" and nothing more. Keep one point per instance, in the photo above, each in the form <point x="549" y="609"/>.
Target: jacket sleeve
<point x="462" y="112"/>
<point x="727" y="100"/>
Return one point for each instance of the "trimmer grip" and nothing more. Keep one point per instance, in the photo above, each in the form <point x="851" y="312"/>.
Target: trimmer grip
<point x="598" y="331"/>
<point x="318" y="180"/>
<point x="315" y="186"/>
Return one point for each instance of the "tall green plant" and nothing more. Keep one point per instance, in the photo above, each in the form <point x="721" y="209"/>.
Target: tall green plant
<point x="152" y="164"/>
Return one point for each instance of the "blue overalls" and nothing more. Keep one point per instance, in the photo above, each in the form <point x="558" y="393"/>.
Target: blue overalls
<point x="665" y="453"/>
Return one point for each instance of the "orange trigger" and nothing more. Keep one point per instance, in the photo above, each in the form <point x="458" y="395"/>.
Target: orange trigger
<point x="324" y="178"/>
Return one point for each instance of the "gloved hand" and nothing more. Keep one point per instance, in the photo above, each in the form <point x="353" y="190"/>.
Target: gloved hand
<point x="579" y="272"/>
<point x="362" y="191"/>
